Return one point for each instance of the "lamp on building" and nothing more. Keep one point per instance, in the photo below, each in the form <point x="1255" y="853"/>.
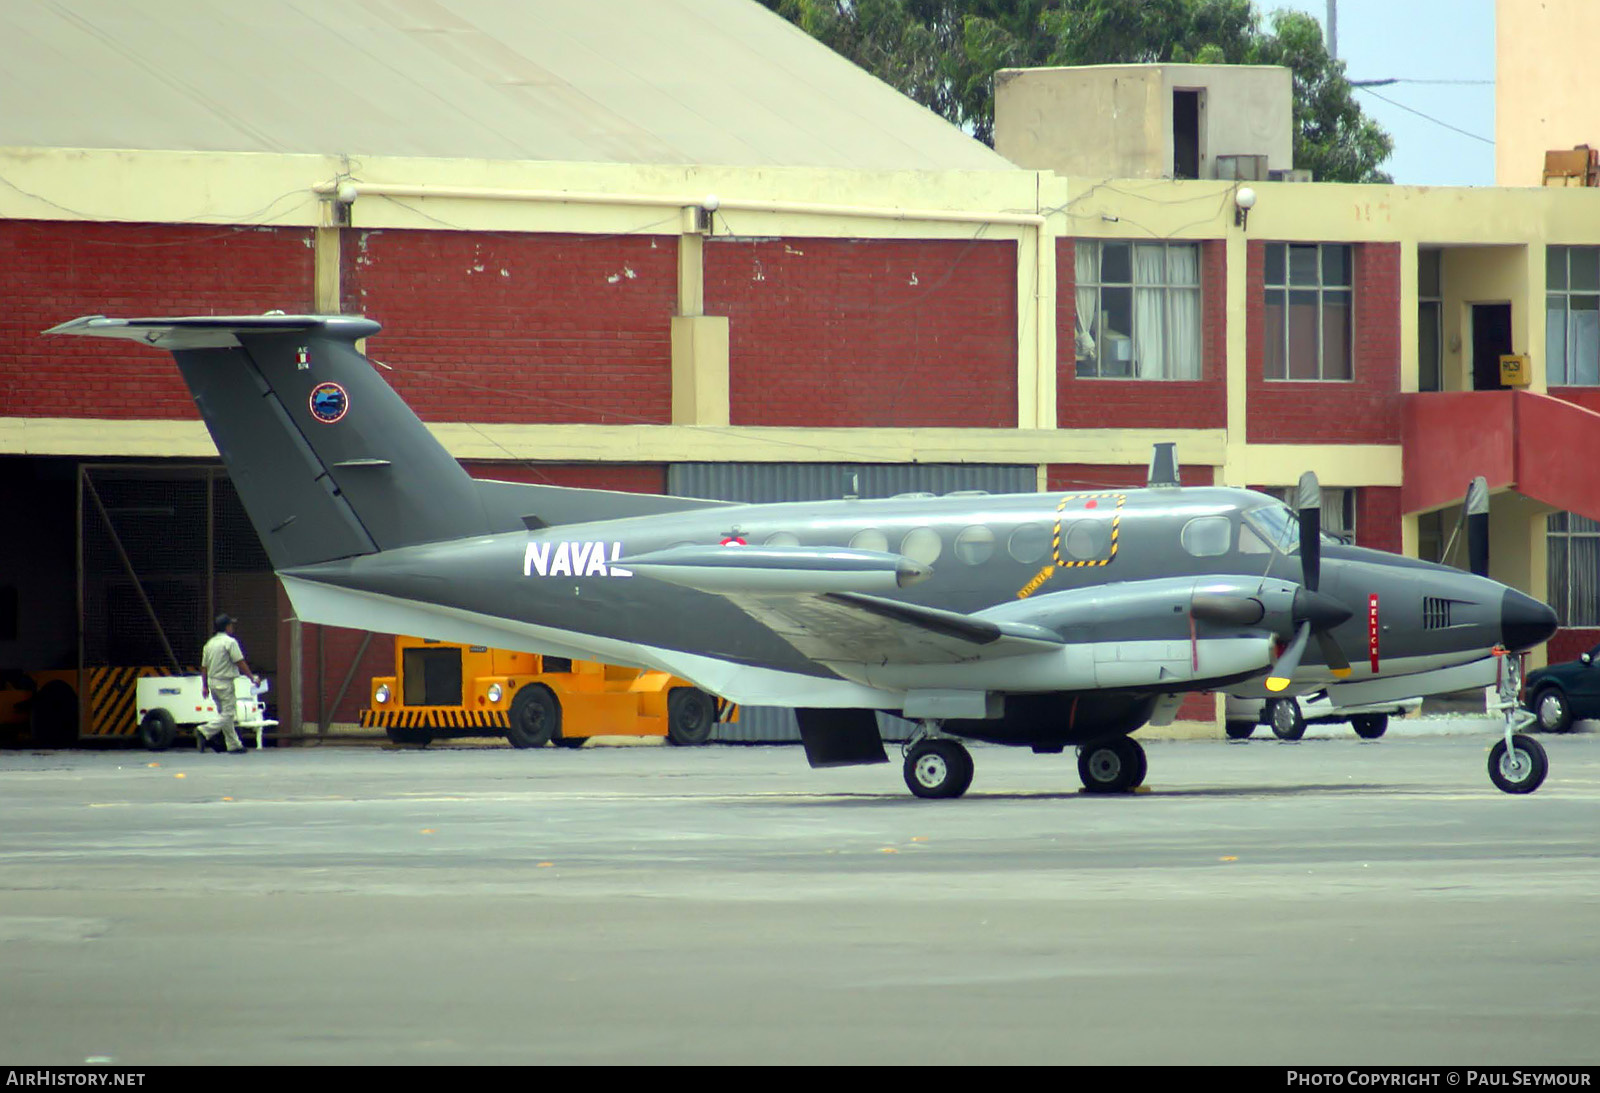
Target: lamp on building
<point x="1243" y="201"/>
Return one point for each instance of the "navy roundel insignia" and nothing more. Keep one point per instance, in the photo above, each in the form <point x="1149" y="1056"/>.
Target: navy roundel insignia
<point x="329" y="402"/>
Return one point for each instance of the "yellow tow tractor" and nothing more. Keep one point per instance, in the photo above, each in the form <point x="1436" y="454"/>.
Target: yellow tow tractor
<point x="442" y="689"/>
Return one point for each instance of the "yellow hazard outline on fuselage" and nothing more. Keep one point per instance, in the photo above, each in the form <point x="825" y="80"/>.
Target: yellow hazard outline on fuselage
<point x="1057" y="562"/>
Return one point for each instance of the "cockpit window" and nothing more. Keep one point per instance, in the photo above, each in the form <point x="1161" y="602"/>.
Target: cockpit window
<point x="1278" y="525"/>
<point x="1207" y="536"/>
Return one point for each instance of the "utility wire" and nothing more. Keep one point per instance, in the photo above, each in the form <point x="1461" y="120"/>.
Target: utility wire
<point x="1420" y="114"/>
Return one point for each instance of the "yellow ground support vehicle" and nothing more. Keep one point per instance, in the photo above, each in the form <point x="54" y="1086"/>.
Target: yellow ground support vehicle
<point x="441" y="689"/>
<point x="46" y="705"/>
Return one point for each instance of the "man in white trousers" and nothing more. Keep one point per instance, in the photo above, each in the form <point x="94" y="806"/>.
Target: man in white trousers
<point x="221" y="664"/>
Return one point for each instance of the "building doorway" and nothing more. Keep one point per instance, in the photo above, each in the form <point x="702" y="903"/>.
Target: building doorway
<point x="1491" y="338"/>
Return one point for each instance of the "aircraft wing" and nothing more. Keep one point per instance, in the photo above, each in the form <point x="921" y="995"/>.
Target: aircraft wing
<point x="821" y="600"/>
<point x="849" y="627"/>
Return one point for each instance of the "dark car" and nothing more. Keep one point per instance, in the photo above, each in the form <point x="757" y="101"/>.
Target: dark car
<point x="1564" y="693"/>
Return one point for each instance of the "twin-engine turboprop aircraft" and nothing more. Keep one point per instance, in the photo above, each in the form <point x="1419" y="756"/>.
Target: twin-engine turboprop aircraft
<point x="1041" y="620"/>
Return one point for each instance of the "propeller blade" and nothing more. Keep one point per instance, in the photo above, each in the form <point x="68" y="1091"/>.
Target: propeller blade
<point x="1308" y="503"/>
<point x="1283" y="671"/>
<point x="1332" y="654"/>
<point x="1477" y="510"/>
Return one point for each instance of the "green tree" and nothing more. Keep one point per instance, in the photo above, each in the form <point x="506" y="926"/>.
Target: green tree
<point x="944" y="54"/>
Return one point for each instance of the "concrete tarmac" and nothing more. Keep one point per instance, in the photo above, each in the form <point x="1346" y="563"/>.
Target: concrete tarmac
<point x="1327" y="902"/>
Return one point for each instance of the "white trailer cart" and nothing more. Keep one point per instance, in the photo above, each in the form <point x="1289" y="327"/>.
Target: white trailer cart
<point x="168" y="703"/>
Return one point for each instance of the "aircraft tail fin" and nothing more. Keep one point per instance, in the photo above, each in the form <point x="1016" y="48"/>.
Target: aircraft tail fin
<point x="328" y="460"/>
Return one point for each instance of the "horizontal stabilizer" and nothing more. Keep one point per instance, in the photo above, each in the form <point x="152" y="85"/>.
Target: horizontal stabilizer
<point x="214" y="331"/>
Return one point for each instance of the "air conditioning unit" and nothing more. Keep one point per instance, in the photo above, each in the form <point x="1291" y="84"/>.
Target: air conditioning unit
<point x="1241" y="168"/>
<point x="1293" y="174"/>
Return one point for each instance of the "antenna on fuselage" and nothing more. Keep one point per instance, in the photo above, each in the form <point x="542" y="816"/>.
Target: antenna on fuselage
<point x="1163" y="466"/>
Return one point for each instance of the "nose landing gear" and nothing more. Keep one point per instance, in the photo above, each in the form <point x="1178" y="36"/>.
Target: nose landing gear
<point x="1518" y="763"/>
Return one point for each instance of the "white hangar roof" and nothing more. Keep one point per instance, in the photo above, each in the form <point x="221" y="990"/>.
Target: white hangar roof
<point x="722" y="82"/>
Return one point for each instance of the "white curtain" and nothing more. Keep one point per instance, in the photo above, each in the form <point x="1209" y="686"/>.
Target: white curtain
<point x="1150" y="311"/>
<point x="1183" y="313"/>
<point x="1087" y="273"/>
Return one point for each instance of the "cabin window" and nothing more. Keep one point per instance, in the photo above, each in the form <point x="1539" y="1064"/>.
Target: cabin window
<point x="975" y="544"/>
<point x="922" y="545"/>
<point x="870" y="539"/>
<point x="1207" y="536"/>
<point x="1029" y="543"/>
<point x="782" y="539"/>
<point x="1087" y="540"/>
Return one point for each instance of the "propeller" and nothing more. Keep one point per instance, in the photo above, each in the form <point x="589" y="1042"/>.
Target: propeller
<point x="1316" y="614"/>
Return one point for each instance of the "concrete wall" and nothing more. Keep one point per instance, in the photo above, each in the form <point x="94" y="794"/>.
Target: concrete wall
<point x="1545" y="96"/>
<point x="1115" y="121"/>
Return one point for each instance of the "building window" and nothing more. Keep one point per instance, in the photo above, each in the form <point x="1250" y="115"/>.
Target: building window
<point x="1573" y="545"/>
<point x="1430" y="322"/>
<point x="1338" y="510"/>
<point x="1138" y="308"/>
<point x="1572" y="315"/>
<point x="1308" y="306"/>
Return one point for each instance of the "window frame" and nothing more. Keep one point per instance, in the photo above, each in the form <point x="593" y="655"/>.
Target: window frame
<point x="1565" y="292"/>
<point x="1168" y="289"/>
<point x="1437" y="300"/>
<point x="1559" y="530"/>
<point x="1324" y="292"/>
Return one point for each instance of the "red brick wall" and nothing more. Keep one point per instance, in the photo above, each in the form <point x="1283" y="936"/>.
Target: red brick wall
<point x="630" y="477"/>
<point x="1569" y="642"/>
<point x="1365" y="410"/>
<point x="482" y="326"/>
<point x="1077" y="477"/>
<point x="1378" y="518"/>
<point x="52" y="271"/>
<point x="1152" y="404"/>
<point x="856" y="332"/>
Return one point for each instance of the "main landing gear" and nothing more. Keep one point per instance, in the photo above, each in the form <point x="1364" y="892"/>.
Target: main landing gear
<point x="1112" y="766"/>
<point x="1518" y="763"/>
<point x="939" y="766"/>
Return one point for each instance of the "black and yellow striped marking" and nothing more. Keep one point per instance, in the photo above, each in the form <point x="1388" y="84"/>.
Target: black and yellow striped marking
<point x="1116" y="528"/>
<point x="114" y="697"/>
<point x="434" y="717"/>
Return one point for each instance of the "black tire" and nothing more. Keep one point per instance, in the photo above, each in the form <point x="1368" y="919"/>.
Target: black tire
<point x="1370" y="726"/>
<point x="1286" y="719"/>
<point x="1111" y="766"/>
<point x="691" y="716"/>
<point x="1240" y="730"/>
<point x="535" y="717"/>
<point x="567" y="741"/>
<point x="418" y="737"/>
<point x="1522" y="772"/>
<point x="1550" y="706"/>
<point x="938" y="769"/>
<point x="53" y="716"/>
<point x="158" y="730"/>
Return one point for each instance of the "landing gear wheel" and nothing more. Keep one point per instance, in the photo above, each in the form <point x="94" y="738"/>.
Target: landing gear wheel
<point x="535" y="717"/>
<point x="691" y="716"/>
<point x="1112" y="766"/>
<point x="158" y="730"/>
<point x="420" y="737"/>
<point x="1240" y="730"/>
<point x="1287" y="722"/>
<point x="1370" y="726"/>
<point x="938" y="768"/>
<point x="1522" y="768"/>
<point x="53" y="716"/>
<point x="1550" y="706"/>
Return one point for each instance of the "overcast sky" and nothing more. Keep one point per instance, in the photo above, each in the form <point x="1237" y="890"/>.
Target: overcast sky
<point x="1422" y="40"/>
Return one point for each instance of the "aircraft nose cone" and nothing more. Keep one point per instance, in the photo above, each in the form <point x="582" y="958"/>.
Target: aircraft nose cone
<point x="1524" y="621"/>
